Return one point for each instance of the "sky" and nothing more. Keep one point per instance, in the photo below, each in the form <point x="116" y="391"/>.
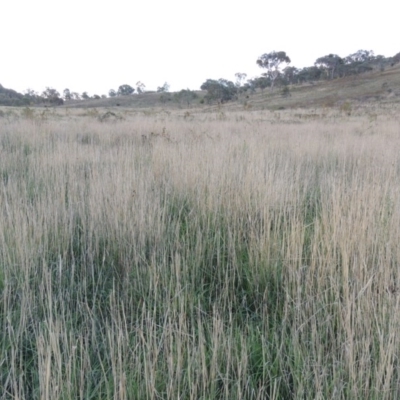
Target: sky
<point x="95" y="46"/>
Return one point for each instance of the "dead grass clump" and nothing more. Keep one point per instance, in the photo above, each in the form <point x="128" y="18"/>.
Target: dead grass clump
<point x="109" y="117"/>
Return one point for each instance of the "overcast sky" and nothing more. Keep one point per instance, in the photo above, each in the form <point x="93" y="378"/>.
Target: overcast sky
<point x="94" y="46"/>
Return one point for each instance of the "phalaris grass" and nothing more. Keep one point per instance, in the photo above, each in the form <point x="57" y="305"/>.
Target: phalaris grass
<point x="230" y="259"/>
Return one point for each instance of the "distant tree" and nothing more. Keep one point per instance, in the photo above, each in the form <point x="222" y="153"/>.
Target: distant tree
<point x="357" y="62"/>
<point x="30" y="93"/>
<point x="289" y="75"/>
<point x="395" y="59"/>
<point x="261" y="82"/>
<point x="96" y="97"/>
<point x="85" y="96"/>
<point x="31" y="96"/>
<point x="67" y="94"/>
<point x="360" y="56"/>
<point x="103" y="96"/>
<point x="220" y="90"/>
<point x="185" y="96"/>
<point x="50" y="93"/>
<point x="140" y="87"/>
<point x="240" y="82"/>
<point x="330" y="63"/>
<point x="273" y="62"/>
<point x="75" y="96"/>
<point x="240" y="78"/>
<point x="380" y="62"/>
<point x="112" y="93"/>
<point x="125" y="90"/>
<point x="52" y="96"/>
<point x="250" y="85"/>
<point x="164" y="88"/>
<point x="309" y="74"/>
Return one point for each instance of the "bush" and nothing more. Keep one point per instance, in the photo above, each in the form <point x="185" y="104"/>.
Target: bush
<point x="220" y="90"/>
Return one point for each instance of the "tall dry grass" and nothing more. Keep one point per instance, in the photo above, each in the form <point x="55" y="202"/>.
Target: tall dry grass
<point x="237" y="255"/>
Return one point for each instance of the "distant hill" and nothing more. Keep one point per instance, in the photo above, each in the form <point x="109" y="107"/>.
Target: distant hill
<point x="9" y="97"/>
<point x="144" y="100"/>
<point x="375" y="86"/>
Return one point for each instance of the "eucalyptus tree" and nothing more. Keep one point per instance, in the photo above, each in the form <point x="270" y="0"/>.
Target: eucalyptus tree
<point x="273" y="62"/>
<point x="140" y="87"/>
<point x="67" y="94"/>
<point x="125" y="90"/>
<point x="164" y="88"/>
<point x="330" y="63"/>
<point x="358" y="62"/>
<point x="220" y="90"/>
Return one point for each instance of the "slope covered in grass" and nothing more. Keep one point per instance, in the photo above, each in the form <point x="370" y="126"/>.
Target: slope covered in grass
<point x="369" y="87"/>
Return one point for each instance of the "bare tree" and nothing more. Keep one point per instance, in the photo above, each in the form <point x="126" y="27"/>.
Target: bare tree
<point x="140" y="87"/>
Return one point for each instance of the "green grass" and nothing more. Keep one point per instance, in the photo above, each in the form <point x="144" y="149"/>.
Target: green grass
<point x="250" y="258"/>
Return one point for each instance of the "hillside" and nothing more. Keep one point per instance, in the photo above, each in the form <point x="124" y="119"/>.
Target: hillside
<point x="9" y="97"/>
<point x="382" y="86"/>
<point x="368" y="87"/>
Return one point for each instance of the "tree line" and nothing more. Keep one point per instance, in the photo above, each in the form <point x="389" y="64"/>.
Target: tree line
<point x="278" y="73"/>
<point x="51" y="97"/>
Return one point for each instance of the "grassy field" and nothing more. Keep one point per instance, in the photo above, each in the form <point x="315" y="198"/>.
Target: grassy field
<point x="200" y="255"/>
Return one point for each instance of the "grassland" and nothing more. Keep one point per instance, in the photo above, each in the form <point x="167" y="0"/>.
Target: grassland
<point x="200" y="255"/>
